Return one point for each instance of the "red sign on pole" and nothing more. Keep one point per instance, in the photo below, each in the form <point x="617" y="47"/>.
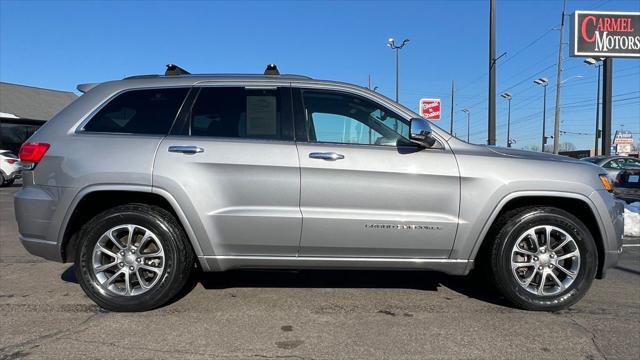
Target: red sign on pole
<point x="430" y="109"/>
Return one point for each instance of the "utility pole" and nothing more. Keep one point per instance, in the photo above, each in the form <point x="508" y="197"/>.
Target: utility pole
<point x="452" y="97"/>
<point x="597" y="113"/>
<point x="491" y="138"/>
<point x="607" y="89"/>
<point x="369" y="82"/>
<point x="556" y="123"/>
<point x="468" y="122"/>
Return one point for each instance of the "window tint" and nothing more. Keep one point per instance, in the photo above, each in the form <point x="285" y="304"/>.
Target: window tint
<point x="631" y="163"/>
<point x="139" y="112"/>
<point x="237" y="113"/>
<point x="340" y="118"/>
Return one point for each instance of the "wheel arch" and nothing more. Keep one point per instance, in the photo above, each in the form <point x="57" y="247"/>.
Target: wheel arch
<point x="575" y="204"/>
<point x="84" y="208"/>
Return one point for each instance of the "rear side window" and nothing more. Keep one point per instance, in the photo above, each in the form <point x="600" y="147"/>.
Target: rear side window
<point x="149" y="111"/>
<point x="238" y="112"/>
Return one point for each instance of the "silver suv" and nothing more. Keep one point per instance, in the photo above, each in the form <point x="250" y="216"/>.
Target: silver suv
<point x="142" y="180"/>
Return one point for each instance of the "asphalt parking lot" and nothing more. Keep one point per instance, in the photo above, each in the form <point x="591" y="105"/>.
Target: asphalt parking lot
<point x="308" y="315"/>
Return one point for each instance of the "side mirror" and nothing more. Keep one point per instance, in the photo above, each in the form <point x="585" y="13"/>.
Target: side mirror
<point x="420" y="132"/>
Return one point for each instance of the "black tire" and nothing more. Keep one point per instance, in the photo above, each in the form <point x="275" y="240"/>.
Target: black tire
<point x="178" y="262"/>
<point x="1" y="180"/>
<point x="515" y="223"/>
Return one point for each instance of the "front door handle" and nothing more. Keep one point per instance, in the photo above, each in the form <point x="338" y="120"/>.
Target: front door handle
<point x="330" y="156"/>
<point x="185" y="149"/>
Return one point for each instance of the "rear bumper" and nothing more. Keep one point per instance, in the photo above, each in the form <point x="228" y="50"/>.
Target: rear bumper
<point x="40" y="212"/>
<point x="45" y="249"/>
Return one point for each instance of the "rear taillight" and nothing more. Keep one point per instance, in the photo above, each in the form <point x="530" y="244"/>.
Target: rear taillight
<point x="10" y="161"/>
<point x="33" y="152"/>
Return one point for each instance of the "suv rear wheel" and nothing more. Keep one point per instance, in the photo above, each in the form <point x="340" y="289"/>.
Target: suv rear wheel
<point x="543" y="258"/>
<point x="133" y="258"/>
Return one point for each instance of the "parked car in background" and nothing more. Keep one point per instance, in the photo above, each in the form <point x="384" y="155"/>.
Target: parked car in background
<point x="627" y="185"/>
<point x="10" y="168"/>
<point x="613" y="164"/>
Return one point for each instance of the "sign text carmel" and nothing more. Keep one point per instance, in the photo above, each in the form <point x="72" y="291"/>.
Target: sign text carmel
<point x="605" y="34"/>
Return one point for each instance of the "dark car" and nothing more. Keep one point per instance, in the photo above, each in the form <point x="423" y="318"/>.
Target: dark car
<point x="614" y="164"/>
<point x="627" y="185"/>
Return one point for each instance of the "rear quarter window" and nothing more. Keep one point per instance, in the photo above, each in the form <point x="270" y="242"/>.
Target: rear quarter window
<point x="149" y="111"/>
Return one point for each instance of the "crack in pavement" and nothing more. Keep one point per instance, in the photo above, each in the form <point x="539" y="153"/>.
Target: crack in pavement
<point x="593" y="336"/>
<point x="11" y="351"/>
<point x="183" y="352"/>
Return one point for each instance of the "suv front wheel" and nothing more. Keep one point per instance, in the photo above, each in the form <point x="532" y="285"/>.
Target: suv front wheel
<point x="543" y="258"/>
<point x="133" y="258"/>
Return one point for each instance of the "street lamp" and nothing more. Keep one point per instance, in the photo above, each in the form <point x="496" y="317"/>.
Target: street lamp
<point x="468" y="112"/>
<point x="543" y="82"/>
<point x="391" y="43"/>
<point x="598" y="64"/>
<point x="508" y="96"/>
<point x="571" y="78"/>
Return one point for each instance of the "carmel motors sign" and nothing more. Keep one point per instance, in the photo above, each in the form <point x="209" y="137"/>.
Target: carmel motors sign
<point x="605" y="34"/>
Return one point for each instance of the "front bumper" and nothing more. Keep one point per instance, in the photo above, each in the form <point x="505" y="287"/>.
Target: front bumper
<point x="611" y="211"/>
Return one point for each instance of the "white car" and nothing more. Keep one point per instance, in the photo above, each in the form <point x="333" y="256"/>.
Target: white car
<point x="10" y="168"/>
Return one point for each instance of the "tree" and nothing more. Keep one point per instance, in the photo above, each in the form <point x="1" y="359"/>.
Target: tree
<point x="567" y="146"/>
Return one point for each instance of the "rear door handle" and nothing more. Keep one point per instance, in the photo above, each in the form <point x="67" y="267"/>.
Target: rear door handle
<point x="185" y="149"/>
<point x="330" y="156"/>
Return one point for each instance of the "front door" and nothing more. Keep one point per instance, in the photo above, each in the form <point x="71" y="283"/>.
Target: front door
<point x="366" y="191"/>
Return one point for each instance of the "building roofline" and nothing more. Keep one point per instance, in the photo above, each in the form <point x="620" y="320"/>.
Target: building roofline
<point x="37" y="87"/>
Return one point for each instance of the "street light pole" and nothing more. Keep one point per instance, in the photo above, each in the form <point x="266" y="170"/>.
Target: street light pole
<point x="543" y="82"/>
<point x="391" y="43"/>
<point x="508" y="96"/>
<point x="598" y="65"/>
<point x="468" y="122"/>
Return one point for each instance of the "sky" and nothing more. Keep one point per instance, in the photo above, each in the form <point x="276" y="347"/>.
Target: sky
<point x="59" y="44"/>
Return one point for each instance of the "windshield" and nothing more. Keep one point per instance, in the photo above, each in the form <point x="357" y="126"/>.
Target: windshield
<point x="591" y="159"/>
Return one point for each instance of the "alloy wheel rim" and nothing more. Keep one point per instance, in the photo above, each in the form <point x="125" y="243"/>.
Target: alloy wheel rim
<point x="128" y="260"/>
<point x="545" y="260"/>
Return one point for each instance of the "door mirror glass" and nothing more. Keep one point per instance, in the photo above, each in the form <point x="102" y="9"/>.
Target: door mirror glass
<point x="420" y="133"/>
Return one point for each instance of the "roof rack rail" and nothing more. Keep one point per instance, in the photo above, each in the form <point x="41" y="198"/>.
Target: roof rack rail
<point x="141" y="76"/>
<point x="173" y="69"/>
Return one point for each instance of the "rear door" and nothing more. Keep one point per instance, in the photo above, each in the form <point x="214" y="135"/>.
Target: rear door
<point x="233" y="167"/>
<point x="366" y="190"/>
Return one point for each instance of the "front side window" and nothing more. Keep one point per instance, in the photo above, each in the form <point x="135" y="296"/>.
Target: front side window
<point x="631" y="163"/>
<point x="334" y="117"/>
<point x="236" y="112"/>
<point x="149" y="111"/>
